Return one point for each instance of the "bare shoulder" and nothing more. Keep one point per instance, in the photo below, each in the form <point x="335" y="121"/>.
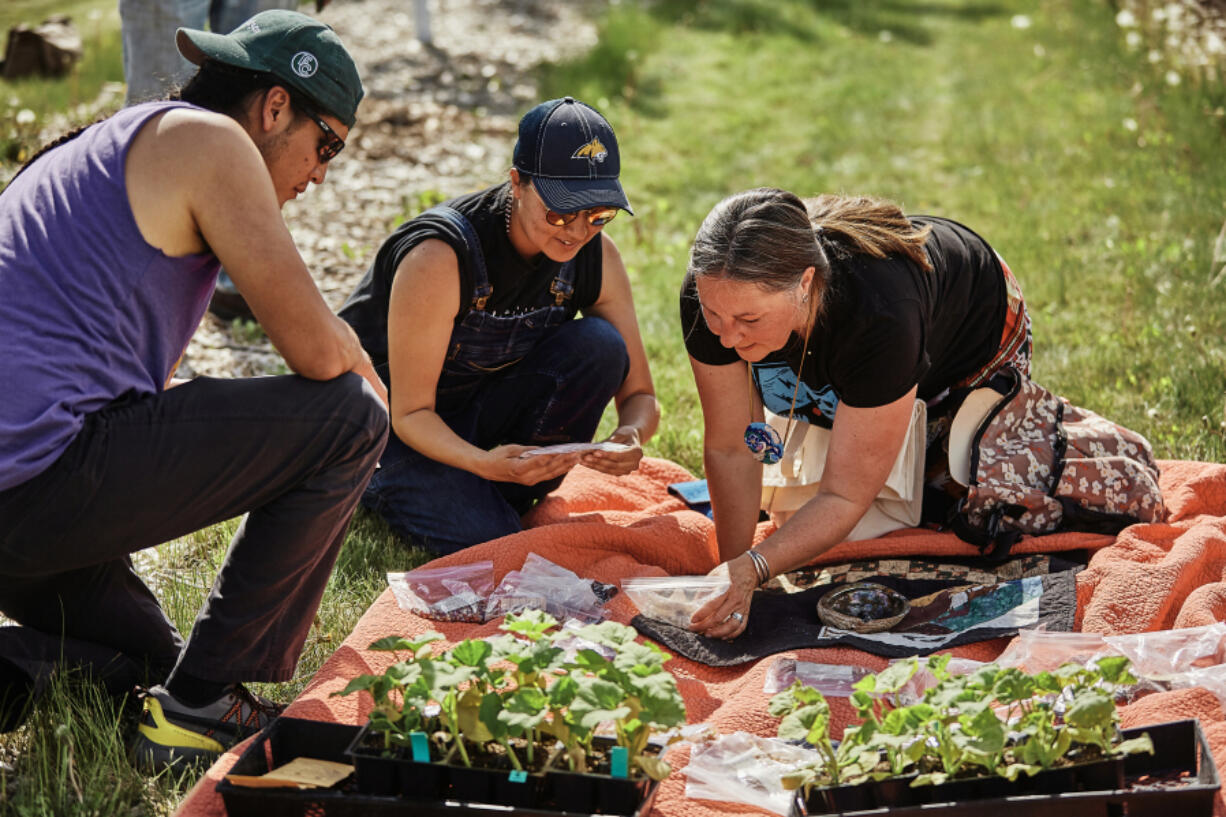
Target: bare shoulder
<point x="614" y="280"/>
<point x="430" y="272"/>
<point x="179" y="158"/>
<point x="433" y="260"/>
<point x="189" y="137"/>
<point x="608" y="250"/>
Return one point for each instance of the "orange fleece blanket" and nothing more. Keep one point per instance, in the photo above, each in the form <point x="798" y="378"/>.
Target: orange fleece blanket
<point x="1150" y="577"/>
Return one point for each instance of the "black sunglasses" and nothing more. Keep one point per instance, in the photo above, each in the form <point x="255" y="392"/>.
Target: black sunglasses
<point x="331" y="144"/>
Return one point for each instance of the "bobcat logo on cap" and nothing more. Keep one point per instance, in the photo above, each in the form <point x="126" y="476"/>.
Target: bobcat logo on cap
<point x="304" y="64"/>
<point x="593" y="151"/>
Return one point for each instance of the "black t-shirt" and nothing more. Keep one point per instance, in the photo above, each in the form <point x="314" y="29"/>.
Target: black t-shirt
<point x="519" y="284"/>
<point x="887" y="325"/>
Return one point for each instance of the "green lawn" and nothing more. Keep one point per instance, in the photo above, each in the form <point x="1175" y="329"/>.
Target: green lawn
<point x="1101" y="184"/>
<point x="74" y="96"/>
<point x="1028" y="120"/>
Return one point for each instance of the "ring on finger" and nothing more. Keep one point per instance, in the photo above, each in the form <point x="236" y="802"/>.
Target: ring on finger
<point x="736" y="616"/>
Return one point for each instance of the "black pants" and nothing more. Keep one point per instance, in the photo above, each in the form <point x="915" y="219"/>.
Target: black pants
<point x="293" y="453"/>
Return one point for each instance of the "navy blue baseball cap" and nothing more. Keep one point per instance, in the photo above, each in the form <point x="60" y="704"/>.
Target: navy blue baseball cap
<point x="570" y="152"/>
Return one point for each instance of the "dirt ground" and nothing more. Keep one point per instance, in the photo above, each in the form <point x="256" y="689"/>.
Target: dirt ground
<point x="436" y="117"/>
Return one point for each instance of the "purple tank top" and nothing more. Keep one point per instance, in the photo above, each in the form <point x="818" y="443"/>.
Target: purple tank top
<point x="89" y="311"/>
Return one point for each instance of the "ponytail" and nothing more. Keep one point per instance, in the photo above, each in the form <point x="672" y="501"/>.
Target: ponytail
<point x="863" y="225"/>
<point x="50" y="145"/>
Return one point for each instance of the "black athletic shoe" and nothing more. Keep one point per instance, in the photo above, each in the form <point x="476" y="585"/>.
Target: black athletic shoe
<point x="171" y="733"/>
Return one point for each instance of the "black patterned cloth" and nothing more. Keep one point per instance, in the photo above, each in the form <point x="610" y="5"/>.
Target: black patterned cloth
<point x="952" y="603"/>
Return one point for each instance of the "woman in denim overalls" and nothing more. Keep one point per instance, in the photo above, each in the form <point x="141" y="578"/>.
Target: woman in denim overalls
<point x="469" y="314"/>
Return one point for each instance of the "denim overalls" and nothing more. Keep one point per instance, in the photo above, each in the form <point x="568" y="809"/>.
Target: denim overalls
<point x="535" y="377"/>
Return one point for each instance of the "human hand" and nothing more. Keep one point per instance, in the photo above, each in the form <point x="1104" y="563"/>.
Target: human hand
<point x="504" y="464"/>
<point x="727" y="616"/>
<point x="617" y="463"/>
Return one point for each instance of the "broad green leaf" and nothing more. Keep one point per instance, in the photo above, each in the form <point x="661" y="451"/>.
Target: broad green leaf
<point x="938" y="664"/>
<point x="530" y="623"/>
<point x="608" y="633"/>
<point x="441" y="677"/>
<point x="1091" y="709"/>
<point x="985" y="732"/>
<point x="639" y="658"/>
<point x="1114" y="669"/>
<point x="866" y="684"/>
<point x="895" y="676"/>
<point x="362" y="683"/>
<point x="597" y="701"/>
<point x="804" y="722"/>
<point x="471" y="653"/>
<point x="503" y="647"/>
<point x="396" y="643"/>
<point x="562" y="692"/>
<point x="523" y="710"/>
<point x="1013" y="685"/>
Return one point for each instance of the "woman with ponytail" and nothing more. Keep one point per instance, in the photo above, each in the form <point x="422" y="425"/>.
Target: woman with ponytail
<point x="839" y="312"/>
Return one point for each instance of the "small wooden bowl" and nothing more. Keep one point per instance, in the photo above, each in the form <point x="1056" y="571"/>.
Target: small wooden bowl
<point x="852" y="607"/>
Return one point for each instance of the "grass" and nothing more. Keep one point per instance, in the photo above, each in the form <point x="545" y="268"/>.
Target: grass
<point x="30" y="105"/>
<point x="1025" y="119"/>
<point x="1097" y="180"/>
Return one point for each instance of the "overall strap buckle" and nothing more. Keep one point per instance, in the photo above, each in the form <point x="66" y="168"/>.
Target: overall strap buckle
<point x="481" y="295"/>
<point x="563" y="284"/>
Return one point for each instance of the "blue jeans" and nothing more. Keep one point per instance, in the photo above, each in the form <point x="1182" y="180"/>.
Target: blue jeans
<point x="556" y="394"/>
<point x="152" y="66"/>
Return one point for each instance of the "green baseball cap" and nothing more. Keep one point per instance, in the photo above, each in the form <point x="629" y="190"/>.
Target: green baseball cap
<point x="296" y="48"/>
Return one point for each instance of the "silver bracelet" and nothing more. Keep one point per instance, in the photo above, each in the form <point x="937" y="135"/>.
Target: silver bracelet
<point x="760" y="565"/>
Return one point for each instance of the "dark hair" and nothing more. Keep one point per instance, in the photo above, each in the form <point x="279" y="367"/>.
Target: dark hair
<point x="67" y="137"/>
<point x="226" y="88"/>
<point x="864" y="225"/>
<point x="215" y="87"/>
<point x="769" y="237"/>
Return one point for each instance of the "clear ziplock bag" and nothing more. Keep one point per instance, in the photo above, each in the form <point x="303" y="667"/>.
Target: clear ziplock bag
<point x="543" y="585"/>
<point x="832" y="680"/>
<point x="1166" y="655"/>
<point x="673" y="599"/>
<point x="455" y="593"/>
<point x="1041" y="651"/>
<point x="744" y="768"/>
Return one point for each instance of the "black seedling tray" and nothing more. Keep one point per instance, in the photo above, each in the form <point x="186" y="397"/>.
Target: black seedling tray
<point x="288" y="738"/>
<point x="1179" y="747"/>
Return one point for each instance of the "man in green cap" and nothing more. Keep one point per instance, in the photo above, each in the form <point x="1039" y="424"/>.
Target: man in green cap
<point x="110" y="242"/>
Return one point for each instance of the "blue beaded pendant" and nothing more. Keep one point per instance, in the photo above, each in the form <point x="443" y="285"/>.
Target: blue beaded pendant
<point x="764" y="443"/>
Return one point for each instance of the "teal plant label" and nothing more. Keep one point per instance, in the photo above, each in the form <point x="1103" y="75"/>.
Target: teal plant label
<point x="619" y="762"/>
<point x="518" y="776"/>
<point x="420" y="747"/>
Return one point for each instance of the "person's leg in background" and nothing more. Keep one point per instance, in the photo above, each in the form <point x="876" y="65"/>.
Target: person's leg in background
<point x="227" y="15"/>
<point x="152" y="65"/>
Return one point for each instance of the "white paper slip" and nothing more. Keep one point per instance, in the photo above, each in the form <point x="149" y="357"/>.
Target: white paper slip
<point x="572" y="448"/>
